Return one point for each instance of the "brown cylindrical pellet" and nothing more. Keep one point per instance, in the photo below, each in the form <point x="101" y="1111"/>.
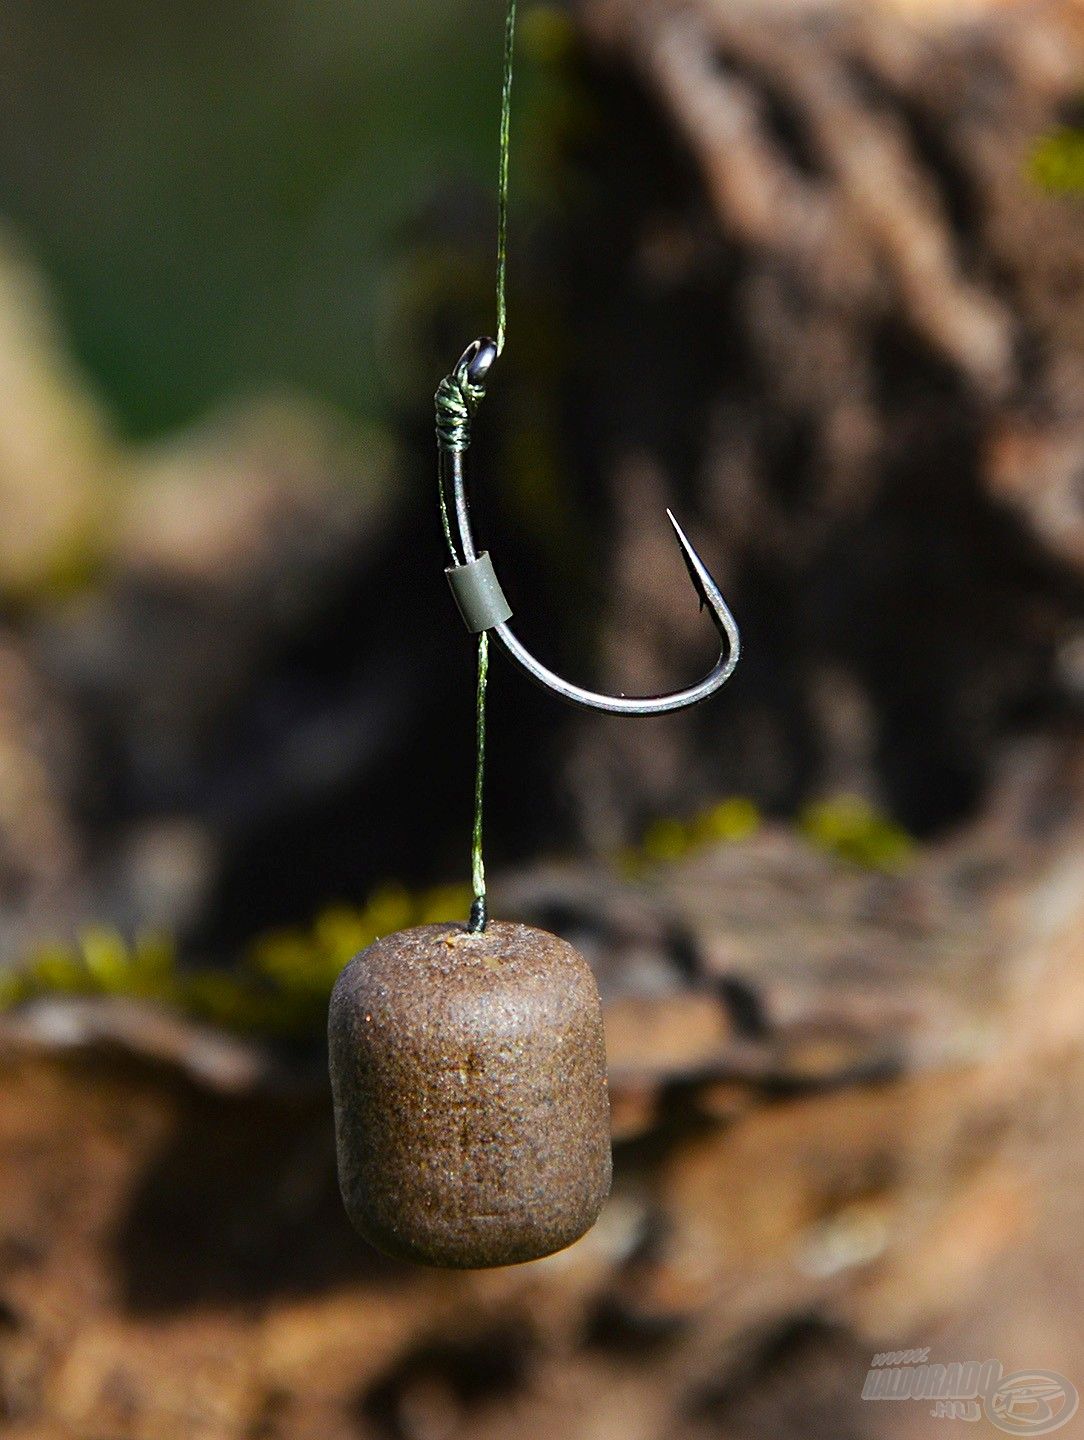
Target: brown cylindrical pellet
<point x="471" y="1110"/>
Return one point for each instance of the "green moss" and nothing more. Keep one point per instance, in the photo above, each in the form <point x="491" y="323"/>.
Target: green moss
<point x="282" y="984"/>
<point x="1057" y="162"/>
<point x="667" y="839"/>
<point x="845" y="826"/>
<point x="280" y="988"/>
<point x="851" y="828"/>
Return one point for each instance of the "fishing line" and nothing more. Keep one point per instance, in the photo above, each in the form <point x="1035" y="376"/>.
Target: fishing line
<point x="457" y="400"/>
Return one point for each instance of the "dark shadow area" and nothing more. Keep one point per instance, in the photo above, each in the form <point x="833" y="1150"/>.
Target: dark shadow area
<point x="449" y="1377"/>
<point x="760" y="1397"/>
<point x="240" y="1206"/>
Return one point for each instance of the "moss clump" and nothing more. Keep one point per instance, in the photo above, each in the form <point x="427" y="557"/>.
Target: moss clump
<point x="667" y="839"/>
<point x="1057" y="162"/>
<point x="282" y="984"/>
<point x="101" y="962"/>
<point x="856" y="831"/>
<point x="280" y="988"/>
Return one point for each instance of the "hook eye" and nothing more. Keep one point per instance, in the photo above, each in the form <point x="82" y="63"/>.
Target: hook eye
<point x="477" y="359"/>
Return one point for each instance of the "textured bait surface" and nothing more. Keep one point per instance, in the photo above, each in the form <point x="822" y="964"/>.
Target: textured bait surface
<point x="471" y="1110"/>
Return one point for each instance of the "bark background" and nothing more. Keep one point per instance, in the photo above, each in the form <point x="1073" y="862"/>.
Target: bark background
<point x="796" y="273"/>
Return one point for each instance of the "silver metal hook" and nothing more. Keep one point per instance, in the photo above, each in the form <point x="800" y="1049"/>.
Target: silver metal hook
<point x="478" y="593"/>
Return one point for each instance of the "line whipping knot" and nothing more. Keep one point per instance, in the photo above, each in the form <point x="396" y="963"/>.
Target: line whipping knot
<point x="457" y="401"/>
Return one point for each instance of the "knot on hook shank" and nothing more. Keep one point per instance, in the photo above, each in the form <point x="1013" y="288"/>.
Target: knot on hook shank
<point x="457" y="400"/>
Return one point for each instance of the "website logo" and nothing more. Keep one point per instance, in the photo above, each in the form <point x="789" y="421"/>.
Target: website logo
<point x="1027" y="1402"/>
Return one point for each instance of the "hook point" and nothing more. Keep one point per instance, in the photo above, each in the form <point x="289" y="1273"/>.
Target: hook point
<point x="698" y="571"/>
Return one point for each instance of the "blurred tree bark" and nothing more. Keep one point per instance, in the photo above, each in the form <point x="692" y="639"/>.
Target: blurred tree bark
<point x="821" y="305"/>
<point x="847" y="1120"/>
<point x="824" y="303"/>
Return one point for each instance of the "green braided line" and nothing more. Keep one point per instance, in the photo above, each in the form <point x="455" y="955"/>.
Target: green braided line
<point x="457" y="402"/>
<point x="478" y="916"/>
<point x="502" y="183"/>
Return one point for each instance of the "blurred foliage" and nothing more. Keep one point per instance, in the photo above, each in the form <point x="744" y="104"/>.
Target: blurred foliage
<point x="1057" y="162"/>
<point x="668" y="839"/>
<point x="845" y="826"/>
<point x="856" y="831"/>
<point x="221" y="190"/>
<point x="282" y="985"/>
<point x="281" y="988"/>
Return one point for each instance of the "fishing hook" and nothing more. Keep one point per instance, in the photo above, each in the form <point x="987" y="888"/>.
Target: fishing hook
<point x="474" y="584"/>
